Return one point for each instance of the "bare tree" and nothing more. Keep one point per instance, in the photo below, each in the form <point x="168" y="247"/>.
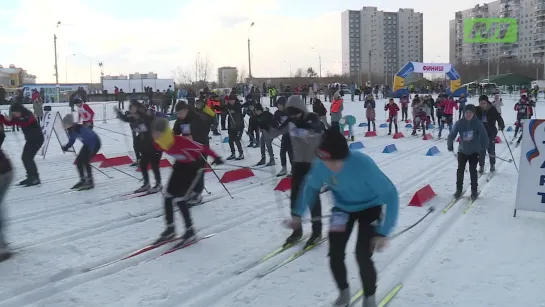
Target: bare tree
<point x="203" y="67"/>
<point x="311" y="73"/>
<point x="182" y="76"/>
<point x="242" y="75"/>
<point x="299" y="73"/>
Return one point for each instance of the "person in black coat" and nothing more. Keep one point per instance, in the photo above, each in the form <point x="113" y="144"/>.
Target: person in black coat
<point x="235" y="126"/>
<point x="281" y="120"/>
<point x="140" y="120"/>
<point x="22" y="117"/>
<point x="6" y="177"/>
<point x="265" y="121"/>
<point x="489" y="115"/>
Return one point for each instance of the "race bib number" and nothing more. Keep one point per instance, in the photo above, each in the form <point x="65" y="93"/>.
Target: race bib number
<point x="467" y="136"/>
<point x="283" y="119"/>
<point x="484" y="118"/>
<point x="298" y="132"/>
<point x="338" y="222"/>
<point x="185" y="128"/>
<point x="142" y="128"/>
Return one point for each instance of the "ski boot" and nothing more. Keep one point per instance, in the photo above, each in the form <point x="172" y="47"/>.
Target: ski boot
<point x="414" y="133"/>
<point x="88" y="185"/>
<point x="156" y="188"/>
<point x="135" y="164"/>
<point x="271" y="162"/>
<point x="251" y="145"/>
<point x="492" y="168"/>
<point x="343" y="299"/>
<point x="24" y="182"/>
<point x="314" y="238"/>
<point x="194" y="199"/>
<point x="143" y="188"/>
<point x="188" y="237"/>
<point x="5" y="254"/>
<point x="231" y="157"/>
<point x="78" y="185"/>
<point x="283" y="171"/>
<point x="33" y="181"/>
<point x="474" y="194"/>
<point x="166" y="235"/>
<point x="240" y="156"/>
<point x="296" y="235"/>
<point x="369" y="301"/>
<point x="261" y="162"/>
<point x="352" y="138"/>
<point x="481" y="170"/>
<point x="458" y="192"/>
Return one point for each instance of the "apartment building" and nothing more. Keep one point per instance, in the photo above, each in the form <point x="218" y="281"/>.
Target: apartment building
<point x="530" y="47"/>
<point x="227" y="76"/>
<point x="380" y="42"/>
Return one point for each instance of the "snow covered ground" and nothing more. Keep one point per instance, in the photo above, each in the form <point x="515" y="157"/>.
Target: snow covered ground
<point x="482" y="258"/>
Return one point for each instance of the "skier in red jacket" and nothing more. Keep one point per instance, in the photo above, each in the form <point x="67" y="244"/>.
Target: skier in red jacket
<point x="392" y="109"/>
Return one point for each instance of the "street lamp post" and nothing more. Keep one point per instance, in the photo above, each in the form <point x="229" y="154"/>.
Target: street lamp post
<point x="319" y="62"/>
<point x="57" y="86"/>
<point x="289" y="65"/>
<point x="249" y="52"/>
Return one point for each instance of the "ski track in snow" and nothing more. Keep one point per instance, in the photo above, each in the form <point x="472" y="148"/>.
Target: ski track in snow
<point x="103" y="228"/>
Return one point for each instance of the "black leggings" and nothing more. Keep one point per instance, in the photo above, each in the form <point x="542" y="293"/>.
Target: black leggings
<point x="364" y="250"/>
<point x="286" y="149"/>
<point x="153" y="158"/>
<point x="83" y="160"/>
<point x="135" y="146"/>
<point x="29" y="152"/>
<point x="299" y="171"/>
<point x="181" y="179"/>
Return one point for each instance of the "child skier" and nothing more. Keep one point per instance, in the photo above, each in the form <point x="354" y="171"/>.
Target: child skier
<point x="392" y="109"/>
<point x="253" y="125"/>
<point x="6" y="177"/>
<point x="141" y="121"/>
<point x="22" y="117"/>
<point x="86" y="115"/>
<point x="524" y="111"/>
<point x="336" y="109"/>
<point x="305" y="132"/>
<point x="265" y="121"/>
<point x="319" y="108"/>
<point x="488" y="114"/>
<point x="404" y="101"/>
<point x="281" y="119"/>
<point x="473" y="140"/>
<point x="188" y="155"/>
<point x="369" y="106"/>
<point x="358" y="196"/>
<point x="448" y="105"/>
<point x="91" y="145"/>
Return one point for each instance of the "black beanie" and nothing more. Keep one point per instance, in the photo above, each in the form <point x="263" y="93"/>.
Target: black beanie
<point x="333" y="145"/>
<point x="182" y="105"/>
<point x="17" y="107"/>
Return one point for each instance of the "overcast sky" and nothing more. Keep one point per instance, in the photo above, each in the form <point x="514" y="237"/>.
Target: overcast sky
<point x="141" y="36"/>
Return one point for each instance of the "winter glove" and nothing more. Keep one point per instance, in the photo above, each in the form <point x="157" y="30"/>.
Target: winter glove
<point x="218" y="161"/>
<point x="502" y="127"/>
<point x="65" y="148"/>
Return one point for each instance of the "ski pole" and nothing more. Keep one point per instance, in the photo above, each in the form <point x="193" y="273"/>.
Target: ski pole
<point x="216" y="174"/>
<point x="502" y="159"/>
<point x="250" y="167"/>
<point x="123" y="172"/>
<point x="510" y="151"/>
<point x="96" y="168"/>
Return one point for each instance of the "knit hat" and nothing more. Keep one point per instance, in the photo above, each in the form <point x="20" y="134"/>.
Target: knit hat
<point x="470" y="108"/>
<point x="333" y="145"/>
<point x="258" y="107"/>
<point x="68" y="120"/>
<point x="182" y="105"/>
<point x="16" y="107"/>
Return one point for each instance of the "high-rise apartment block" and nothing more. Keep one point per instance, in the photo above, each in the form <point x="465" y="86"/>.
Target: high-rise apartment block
<point x="530" y="47"/>
<point x="380" y="42"/>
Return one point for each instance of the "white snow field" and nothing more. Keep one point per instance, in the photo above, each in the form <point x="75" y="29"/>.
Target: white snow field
<point x="480" y="258"/>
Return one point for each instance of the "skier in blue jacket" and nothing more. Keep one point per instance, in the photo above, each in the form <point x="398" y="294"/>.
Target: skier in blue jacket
<point x="360" y="189"/>
<point x="91" y="145"/>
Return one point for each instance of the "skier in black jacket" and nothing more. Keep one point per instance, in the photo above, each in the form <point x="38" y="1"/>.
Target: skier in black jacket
<point x="6" y="177"/>
<point x="195" y="125"/>
<point x="22" y="117"/>
<point x="235" y="126"/>
<point x="489" y="115"/>
<point x="253" y="125"/>
<point x="265" y="121"/>
<point x="140" y="121"/>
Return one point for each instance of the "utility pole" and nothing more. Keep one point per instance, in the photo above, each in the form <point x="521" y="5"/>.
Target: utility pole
<point x="369" y="69"/>
<point x="57" y="86"/>
<point x="249" y="53"/>
<point x="320" y="64"/>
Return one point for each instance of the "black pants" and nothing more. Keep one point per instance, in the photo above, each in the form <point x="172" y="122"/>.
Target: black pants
<point x="299" y="171"/>
<point x="2" y="138"/>
<point x="181" y="179"/>
<point x="234" y="138"/>
<point x="223" y="119"/>
<point x="29" y="152"/>
<point x="364" y="250"/>
<point x="200" y="184"/>
<point x="439" y="116"/>
<point x="153" y="158"/>
<point x="83" y="161"/>
<point x="393" y="120"/>
<point x="491" y="151"/>
<point x="253" y="133"/>
<point x="462" y="161"/>
<point x="121" y="105"/>
<point x="404" y="113"/>
<point x="135" y="146"/>
<point x="286" y="149"/>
